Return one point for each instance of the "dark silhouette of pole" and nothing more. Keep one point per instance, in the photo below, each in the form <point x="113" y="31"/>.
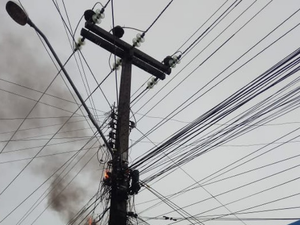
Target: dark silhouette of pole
<point x="120" y="175"/>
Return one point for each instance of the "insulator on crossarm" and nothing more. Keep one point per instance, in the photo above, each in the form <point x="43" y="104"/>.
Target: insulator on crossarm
<point x="98" y="16"/>
<point x="94" y="16"/>
<point x="176" y="60"/>
<point x="138" y="40"/>
<point x="117" y="64"/>
<point x="152" y="82"/>
<point x="100" y="12"/>
<point x="172" y="61"/>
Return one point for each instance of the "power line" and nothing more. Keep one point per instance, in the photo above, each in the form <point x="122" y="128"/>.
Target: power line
<point x="191" y="186"/>
<point x="168" y="117"/>
<point x="57" y="180"/>
<point x="43" y="156"/>
<point x="178" y="50"/>
<point x="238" y="96"/>
<point x="172" y="205"/>
<point x="233" y="5"/>
<point x="40" y="150"/>
<point x="34" y="106"/>
<point x="70" y="32"/>
<point x="156" y="19"/>
<point x="66" y="163"/>
<point x="173" y="77"/>
<point x="62" y="66"/>
<point x="195" y="181"/>
<point x="64" y="188"/>
<point x="246" y="185"/>
<point x="205" y="60"/>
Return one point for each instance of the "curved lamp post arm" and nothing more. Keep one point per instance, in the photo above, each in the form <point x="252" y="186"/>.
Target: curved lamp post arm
<point x="18" y="14"/>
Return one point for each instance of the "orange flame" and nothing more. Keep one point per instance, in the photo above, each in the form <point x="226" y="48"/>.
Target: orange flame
<point x="106" y="176"/>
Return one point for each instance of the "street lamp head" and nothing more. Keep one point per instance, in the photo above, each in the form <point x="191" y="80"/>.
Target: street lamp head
<point x="17" y="13"/>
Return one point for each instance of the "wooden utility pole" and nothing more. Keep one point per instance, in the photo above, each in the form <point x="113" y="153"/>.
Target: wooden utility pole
<point x="120" y="176"/>
<point x="129" y="55"/>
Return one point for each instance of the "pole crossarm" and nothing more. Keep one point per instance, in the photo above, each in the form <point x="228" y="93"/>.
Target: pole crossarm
<point x="120" y="53"/>
<point x="82" y="101"/>
<point x="120" y="48"/>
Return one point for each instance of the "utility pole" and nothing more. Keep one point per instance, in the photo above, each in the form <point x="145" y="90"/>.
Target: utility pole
<point x="130" y="56"/>
<point x="120" y="184"/>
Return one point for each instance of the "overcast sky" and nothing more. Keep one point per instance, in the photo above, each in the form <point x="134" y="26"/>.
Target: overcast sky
<point x="35" y="102"/>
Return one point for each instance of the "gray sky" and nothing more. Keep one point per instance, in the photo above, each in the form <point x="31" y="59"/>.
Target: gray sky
<point x="27" y="71"/>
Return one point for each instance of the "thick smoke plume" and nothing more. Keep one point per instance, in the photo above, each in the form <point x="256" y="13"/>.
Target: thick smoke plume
<point x="66" y="203"/>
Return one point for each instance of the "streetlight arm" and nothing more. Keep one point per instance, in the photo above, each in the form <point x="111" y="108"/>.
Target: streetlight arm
<point x="71" y="83"/>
